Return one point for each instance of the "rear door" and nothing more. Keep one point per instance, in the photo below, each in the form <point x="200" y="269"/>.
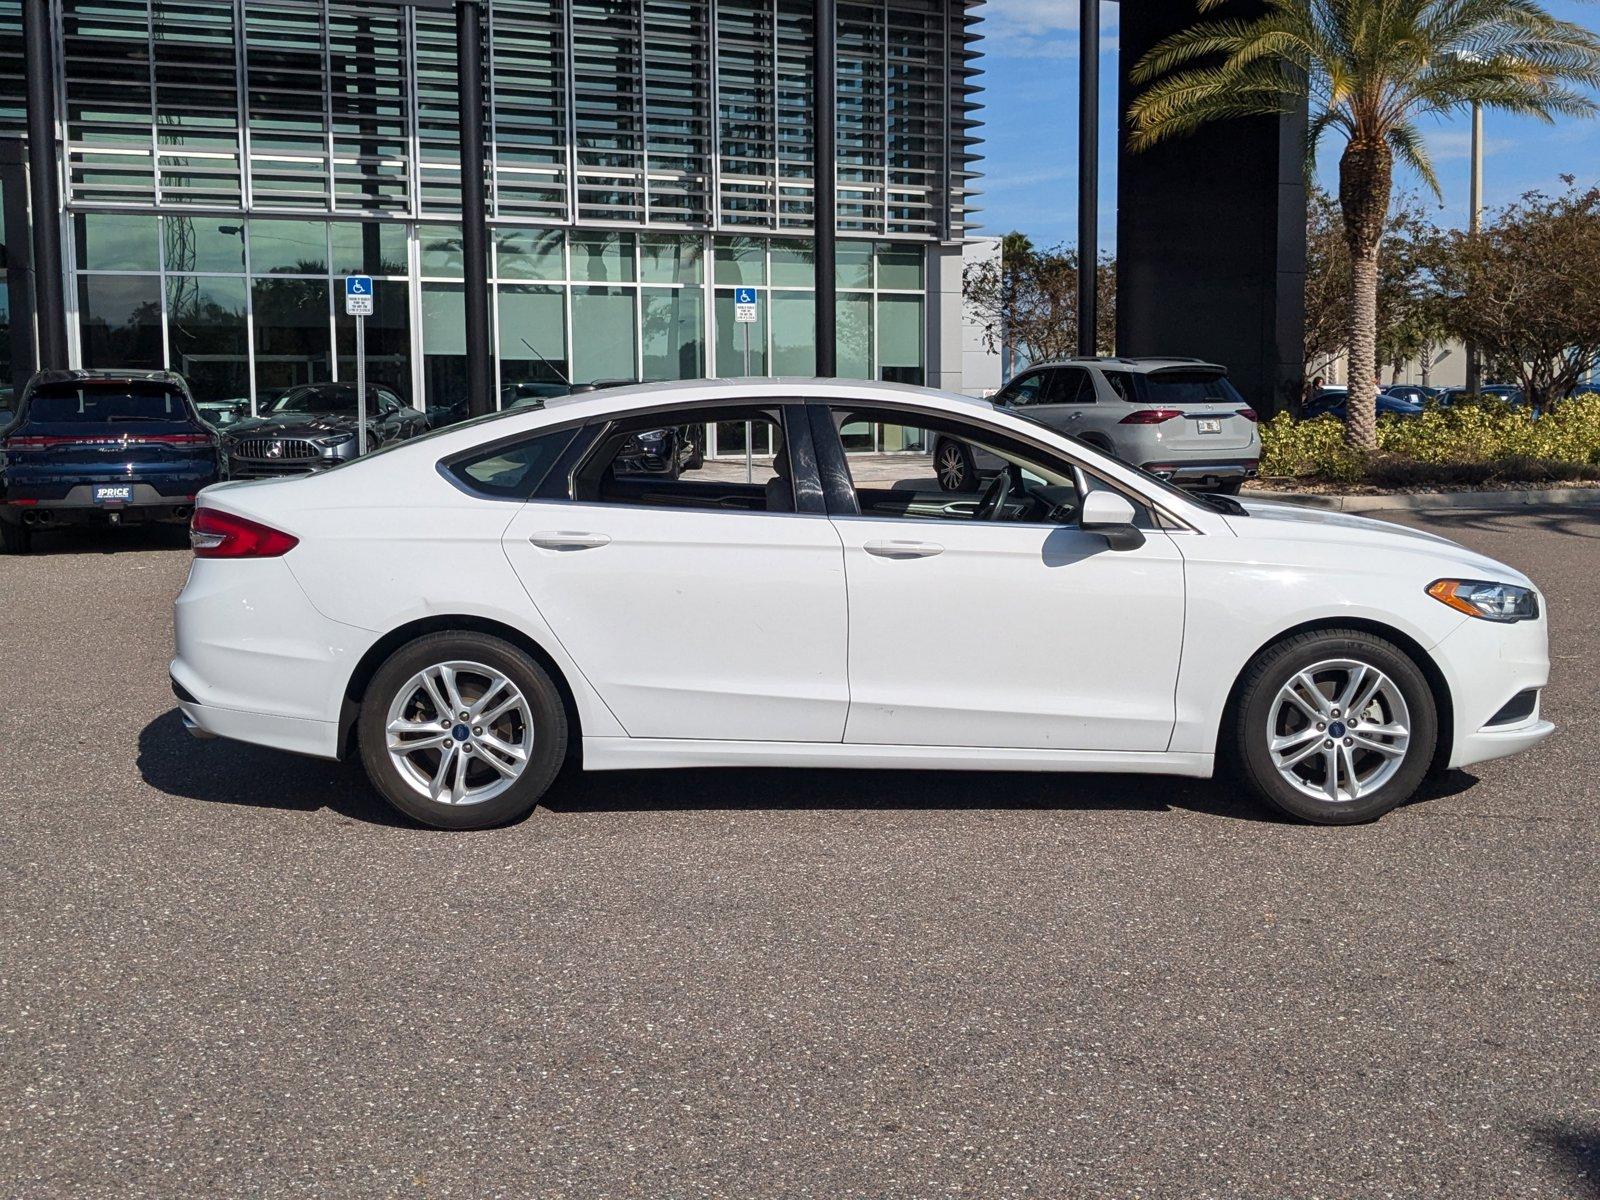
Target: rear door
<point x="709" y="606"/>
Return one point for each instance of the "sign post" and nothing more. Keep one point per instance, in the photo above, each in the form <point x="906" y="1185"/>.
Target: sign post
<point x="358" y="304"/>
<point x="745" y="302"/>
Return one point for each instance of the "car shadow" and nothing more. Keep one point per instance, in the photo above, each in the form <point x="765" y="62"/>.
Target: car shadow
<point x="224" y="772"/>
<point x="1567" y="520"/>
<point x="1575" y="1148"/>
<point x="102" y="539"/>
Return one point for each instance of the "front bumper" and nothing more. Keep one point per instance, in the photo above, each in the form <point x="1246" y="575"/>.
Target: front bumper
<point x="1486" y="665"/>
<point x="257" y="468"/>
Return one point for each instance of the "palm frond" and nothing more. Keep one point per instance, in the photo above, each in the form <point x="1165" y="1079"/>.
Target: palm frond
<point x="1410" y="149"/>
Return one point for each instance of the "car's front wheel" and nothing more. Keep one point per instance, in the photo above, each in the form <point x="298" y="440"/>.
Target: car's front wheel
<point x="462" y="730"/>
<point x="1335" y="727"/>
<point x="953" y="463"/>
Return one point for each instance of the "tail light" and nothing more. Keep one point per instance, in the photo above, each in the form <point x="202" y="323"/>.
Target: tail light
<point x="1150" y="416"/>
<point x="216" y="534"/>
<point x="1249" y="414"/>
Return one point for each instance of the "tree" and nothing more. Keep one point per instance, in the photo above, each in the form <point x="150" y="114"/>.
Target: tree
<point x="1526" y="291"/>
<point x="1027" y="302"/>
<point x="1370" y="70"/>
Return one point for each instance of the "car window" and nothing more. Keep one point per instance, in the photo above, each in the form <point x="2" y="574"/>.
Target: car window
<point x="1069" y="385"/>
<point x="1026" y="390"/>
<point x="1040" y="487"/>
<point x="1122" y="384"/>
<point x="662" y="460"/>
<point x="105" y="400"/>
<point x="1170" y="388"/>
<point x="511" y="471"/>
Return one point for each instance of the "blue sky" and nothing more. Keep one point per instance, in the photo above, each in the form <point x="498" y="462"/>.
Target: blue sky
<point x="1031" y="98"/>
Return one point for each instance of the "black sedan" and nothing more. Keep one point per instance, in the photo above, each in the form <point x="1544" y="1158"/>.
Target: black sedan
<point x="1332" y="404"/>
<point x="313" y="427"/>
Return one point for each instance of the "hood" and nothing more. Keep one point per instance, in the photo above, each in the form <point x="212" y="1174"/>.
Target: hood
<point x="1273" y="521"/>
<point x="307" y="425"/>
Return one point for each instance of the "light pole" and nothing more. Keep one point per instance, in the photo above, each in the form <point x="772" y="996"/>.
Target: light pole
<point x="1474" y="223"/>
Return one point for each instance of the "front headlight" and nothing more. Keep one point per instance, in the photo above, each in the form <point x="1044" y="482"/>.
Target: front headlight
<point x="335" y="439"/>
<point x="1492" y="601"/>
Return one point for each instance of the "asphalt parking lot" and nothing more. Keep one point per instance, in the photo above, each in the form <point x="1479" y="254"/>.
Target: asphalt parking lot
<point x="229" y="972"/>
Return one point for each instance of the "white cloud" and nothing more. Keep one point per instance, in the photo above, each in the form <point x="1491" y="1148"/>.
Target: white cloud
<point x="1451" y="144"/>
<point x="1040" y="29"/>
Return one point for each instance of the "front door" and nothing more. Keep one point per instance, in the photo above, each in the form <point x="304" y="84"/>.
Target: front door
<point x="696" y="603"/>
<point x="1019" y="630"/>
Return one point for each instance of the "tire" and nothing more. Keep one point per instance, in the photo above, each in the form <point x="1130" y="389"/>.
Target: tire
<point x="537" y="726"/>
<point x="697" y="451"/>
<point x="952" y="463"/>
<point x="15" y="538"/>
<point x="1330" y="659"/>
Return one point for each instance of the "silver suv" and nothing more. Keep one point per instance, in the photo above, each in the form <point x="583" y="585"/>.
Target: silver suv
<point x="1179" y="418"/>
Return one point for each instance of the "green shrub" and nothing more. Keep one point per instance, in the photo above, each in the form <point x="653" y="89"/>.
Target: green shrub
<point x="1488" y="441"/>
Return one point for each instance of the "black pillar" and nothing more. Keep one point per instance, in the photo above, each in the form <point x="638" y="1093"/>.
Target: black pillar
<point x="43" y="186"/>
<point x="1211" y="233"/>
<point x="474" y="215"/>
<point x="17" y="260"/>
<point x="1088" y="172"/>
<point x="825" y="202"/>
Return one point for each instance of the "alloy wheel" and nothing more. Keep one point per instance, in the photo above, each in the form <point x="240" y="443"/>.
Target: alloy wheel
<point x="459" y="732"/>
<point x="952" y="468"/>
<point x="1338" y="730"/>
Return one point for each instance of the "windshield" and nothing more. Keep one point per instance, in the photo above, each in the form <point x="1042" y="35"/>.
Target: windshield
<point x="318" y="398"/>
<point x="108" y="400"/>
<point x="1176" y="388"/>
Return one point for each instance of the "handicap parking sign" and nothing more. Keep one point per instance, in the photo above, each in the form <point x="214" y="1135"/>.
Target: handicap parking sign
<point x="358" y="295"/>
<point x="744" y="305"/>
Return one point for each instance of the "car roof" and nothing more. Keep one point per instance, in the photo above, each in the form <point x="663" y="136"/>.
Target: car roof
<point x="1137" y="366"/>
<point x="651" y="395"/>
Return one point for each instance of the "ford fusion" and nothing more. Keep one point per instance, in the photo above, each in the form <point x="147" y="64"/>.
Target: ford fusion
<point x="470" y="610"/>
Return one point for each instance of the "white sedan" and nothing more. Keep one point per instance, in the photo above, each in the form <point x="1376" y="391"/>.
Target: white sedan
<point x="470" y="610"/>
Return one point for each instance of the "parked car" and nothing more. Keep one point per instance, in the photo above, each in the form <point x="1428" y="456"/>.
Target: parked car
<point x="219" y="414"/>
<point x="313" y="427"/>
<point x="1178" y="418"/>
<point x="1508" y="392"/>
<point x="1411" y="393"/>
<point x="1330" y="403"/>
<point x="468" y="609"/>
<point x="102" y="447"/>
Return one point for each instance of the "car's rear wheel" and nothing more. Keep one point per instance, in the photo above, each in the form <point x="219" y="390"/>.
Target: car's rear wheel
<point x="697" y="450"/>
<point x="1335" y="727"/>
<point x="953" y="463"/>
<point x="462" y="730"/>
<point x="15" y="538"/>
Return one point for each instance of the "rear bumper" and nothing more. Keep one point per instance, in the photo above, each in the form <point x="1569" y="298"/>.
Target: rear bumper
<point x="77" y="505"/>
<point x="297" y="735"/>
<point x="1205" y="471"/>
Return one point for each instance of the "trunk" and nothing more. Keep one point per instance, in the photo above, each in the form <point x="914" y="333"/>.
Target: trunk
<point x="1365" y="171"/>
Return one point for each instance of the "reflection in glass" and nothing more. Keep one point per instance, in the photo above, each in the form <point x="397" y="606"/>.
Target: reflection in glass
<point x="120" y="320"/>
<point x="899" y="266"/>
<point x="605" y="349"/>
<point x="444" y="345"/>
<point x="854" y="264"/>
<point x="388" y="337"/>
<point x="602" y="257"/>
<point x="533" y="339"/>
<point x="529" y="254"/>
<point x="794" y="263"/>
<point x="900" y="339"/>
<point x="794" y="332"/>
<point x="673" y="333"/>
<point x="203" y="244"/>
<point x="116" y="242"/>
<point x="854" y="341"/>
<point x="669" y="259"/>
<point x="206" y="336"/>
<point x="291" y="332"/>
<point x="440" y="249"/>
<point x="369" y="248"/>
<point x="741" y="260"/>
<point x="288" y="247"/>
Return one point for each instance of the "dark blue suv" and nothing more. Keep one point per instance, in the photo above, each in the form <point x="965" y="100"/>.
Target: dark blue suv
<point x="103" y="447"/>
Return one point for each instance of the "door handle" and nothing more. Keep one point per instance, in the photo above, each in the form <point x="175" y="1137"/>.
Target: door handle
<point x="903" y="549"/>
<point x="569" y="541"/>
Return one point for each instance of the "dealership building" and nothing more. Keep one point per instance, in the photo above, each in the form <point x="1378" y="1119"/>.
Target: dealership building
<point x="215" y="167"/>
<point x="223" y="163"/>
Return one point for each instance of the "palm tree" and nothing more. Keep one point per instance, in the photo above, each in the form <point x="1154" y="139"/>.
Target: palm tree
<point x="1371" y="70"/>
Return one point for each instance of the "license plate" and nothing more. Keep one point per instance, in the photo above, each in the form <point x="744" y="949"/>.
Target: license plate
<point x="1210" y="424"/>
<point x="113" y="493"/>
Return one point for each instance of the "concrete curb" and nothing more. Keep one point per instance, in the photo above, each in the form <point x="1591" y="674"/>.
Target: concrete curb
<point x="1438" y="501"/>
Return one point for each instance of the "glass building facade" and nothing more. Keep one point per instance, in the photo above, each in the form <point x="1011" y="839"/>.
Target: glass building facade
<point x="225" y="162"/>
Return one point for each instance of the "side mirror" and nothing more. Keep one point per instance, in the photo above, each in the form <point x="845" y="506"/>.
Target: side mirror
<point x="1110" y="515"/>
